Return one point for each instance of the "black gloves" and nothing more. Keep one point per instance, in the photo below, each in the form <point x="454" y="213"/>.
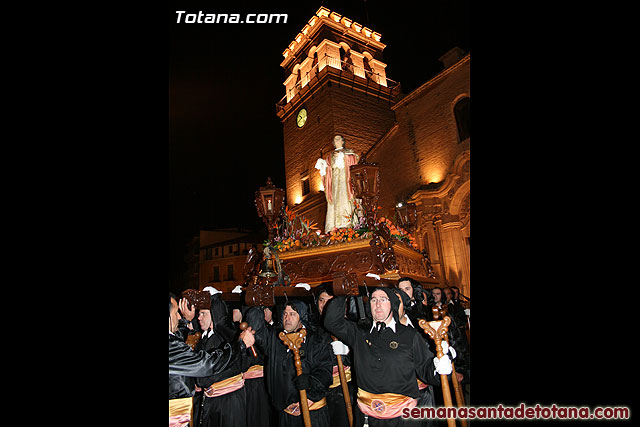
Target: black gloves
<point x="301" y="382"/>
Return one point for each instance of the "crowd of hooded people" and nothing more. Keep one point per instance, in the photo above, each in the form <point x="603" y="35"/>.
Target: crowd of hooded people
<point x="223" y="372"/>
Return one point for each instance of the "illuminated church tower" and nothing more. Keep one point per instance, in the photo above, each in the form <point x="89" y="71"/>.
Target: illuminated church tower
<point x="336" y="84"/>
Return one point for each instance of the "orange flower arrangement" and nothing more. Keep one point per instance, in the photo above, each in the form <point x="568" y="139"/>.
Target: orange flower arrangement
<point x="343" y="235"/>
<point x="399" y="232"/>
<point x="294" y="232"/>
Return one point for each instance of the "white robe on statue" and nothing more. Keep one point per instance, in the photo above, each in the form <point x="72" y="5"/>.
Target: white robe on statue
<point x="337" y="186"/>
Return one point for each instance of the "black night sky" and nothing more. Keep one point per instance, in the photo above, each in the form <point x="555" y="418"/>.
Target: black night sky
<point x="224" y="80"/>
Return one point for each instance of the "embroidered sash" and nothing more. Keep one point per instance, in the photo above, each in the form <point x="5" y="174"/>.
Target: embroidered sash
<point x="336" y="375"/>
<point x="180" y="411"/>
<point x="256" y="371"/>
<point x="384" y="406"/>
<point x="225" y="386"/>
<point x="294" y="408"/>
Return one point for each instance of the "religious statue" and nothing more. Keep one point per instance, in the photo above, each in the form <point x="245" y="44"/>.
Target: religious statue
<point x="336" y="178"/>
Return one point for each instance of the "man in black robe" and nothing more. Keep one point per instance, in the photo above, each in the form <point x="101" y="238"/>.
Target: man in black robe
<point x="259" y="411"/>
<point x="455" y="309"/>
<point x="282" y="382"/>
<point x="387" y="360"/>
<point x="220" y="399"/>
<point x="335" y="395"/>
<point x="184" y="362"/>
<point x="457" y="338"/>
<point x="426" y="398"/>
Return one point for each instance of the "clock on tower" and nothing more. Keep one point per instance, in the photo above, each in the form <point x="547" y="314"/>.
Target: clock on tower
<point x="301" y="118"/>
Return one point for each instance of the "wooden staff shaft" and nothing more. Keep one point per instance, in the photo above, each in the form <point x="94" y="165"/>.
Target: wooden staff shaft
<point x="458" y="392"/>
<point x="304" y="405"/>
<point x="345" y="387"/>
<point x="243" y="326"/>
<point x="294" y="342"/>
<point x="457" y="389"/>
<point x="446" y="392"/>
<point x="437" y="331"/>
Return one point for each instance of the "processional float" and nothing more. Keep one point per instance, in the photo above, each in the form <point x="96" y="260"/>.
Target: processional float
<point x="376" y="254"/>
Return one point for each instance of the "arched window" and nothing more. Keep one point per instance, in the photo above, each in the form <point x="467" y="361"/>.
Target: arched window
<point x="461" y="112"/>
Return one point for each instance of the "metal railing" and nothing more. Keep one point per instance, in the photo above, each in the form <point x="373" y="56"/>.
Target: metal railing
<point x="347" y="72"/>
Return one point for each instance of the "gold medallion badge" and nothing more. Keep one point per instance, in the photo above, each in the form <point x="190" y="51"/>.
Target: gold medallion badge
<point x="393" y="345"/>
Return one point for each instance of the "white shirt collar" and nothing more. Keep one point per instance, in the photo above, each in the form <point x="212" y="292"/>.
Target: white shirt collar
<point x="391" y="324"/>
<point x="409" y="321"/>
<point x="207" y="334"/>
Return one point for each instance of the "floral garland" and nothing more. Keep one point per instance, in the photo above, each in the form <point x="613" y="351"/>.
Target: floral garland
<point x="399" y="232"/>
<point x="296" y="232"/>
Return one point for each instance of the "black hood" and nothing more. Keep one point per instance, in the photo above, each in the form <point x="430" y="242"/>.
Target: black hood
<point x="218" y="307"/>
<point x="419" y="293"/>
<point x="406" y="301"/>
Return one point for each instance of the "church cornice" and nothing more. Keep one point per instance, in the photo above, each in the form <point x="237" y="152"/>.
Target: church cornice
<point x="381" y="141"/>
<point x="340" y="78"/>
<point x="426" y="86"/>
<point x="333" y="20"/>
<point x="424" y="192"/>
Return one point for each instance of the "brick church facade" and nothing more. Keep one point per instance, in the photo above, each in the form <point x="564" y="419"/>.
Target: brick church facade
<point x="337" y="84"/>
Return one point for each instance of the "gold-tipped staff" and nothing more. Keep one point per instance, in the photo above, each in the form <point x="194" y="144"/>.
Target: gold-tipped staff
<point x="294" y="341"/>
<point x="437" y="331"/>
<point x="457" y="389"/>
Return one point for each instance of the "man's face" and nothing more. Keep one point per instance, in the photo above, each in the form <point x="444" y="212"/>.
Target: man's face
<point x="338" y="142"/>
<point x="174" y="316"/>
<point x="290" y="319"/>
<point x="400" y="307"/>
<point x="322" y="300"/>
<point x="406" y="287"/>
<point x="204" y="317"/>
<point x="380" y="306"/>
<point x="447" y="293"/>
<point x="437" y="295"/>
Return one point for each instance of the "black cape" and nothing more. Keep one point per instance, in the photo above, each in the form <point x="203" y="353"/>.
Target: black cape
<point x="184" y="362"/>
<point x="280" y="369"/>
<point x="386" y="362"/>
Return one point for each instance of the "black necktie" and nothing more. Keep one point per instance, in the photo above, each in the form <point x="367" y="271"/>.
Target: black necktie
<point x="381" y="326"/>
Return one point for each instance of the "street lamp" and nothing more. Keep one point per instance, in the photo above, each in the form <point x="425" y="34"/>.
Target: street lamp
<point x="269" y="203"/>
<point x="407" y="215"/>
<point x="365" y="178"/>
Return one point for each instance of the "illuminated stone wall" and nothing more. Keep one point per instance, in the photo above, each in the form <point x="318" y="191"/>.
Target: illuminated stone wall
<point x="421" y="149"/>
